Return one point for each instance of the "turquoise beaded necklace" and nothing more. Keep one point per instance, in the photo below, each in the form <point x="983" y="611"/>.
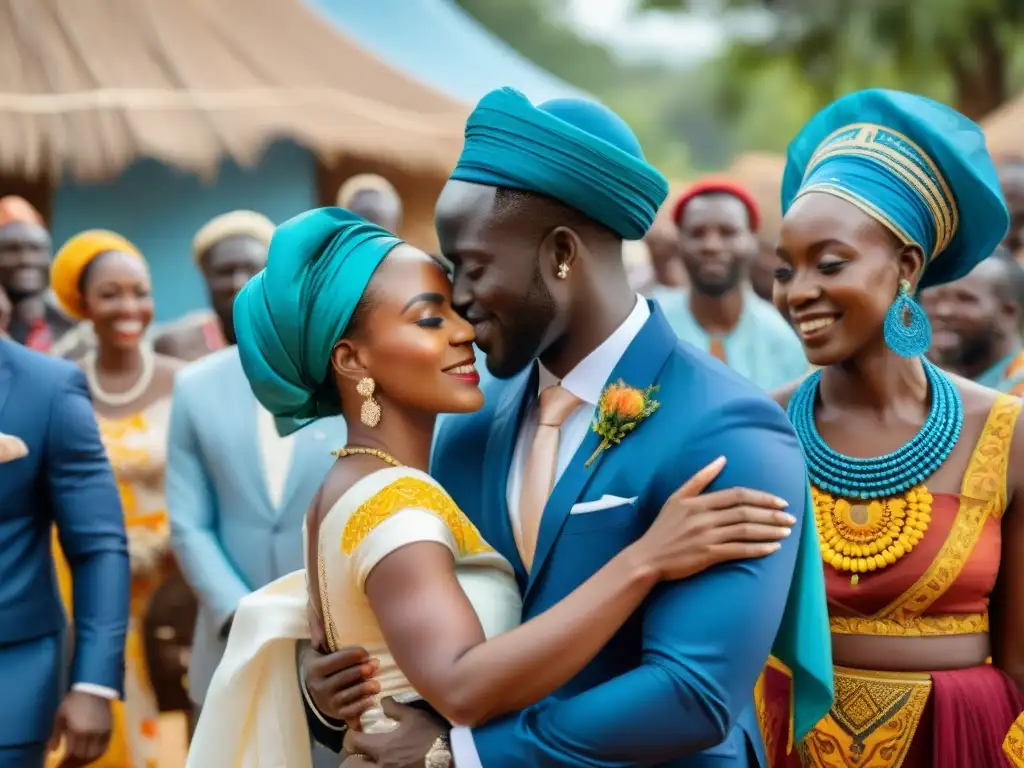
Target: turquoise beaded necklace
<point x="888" y="475"/>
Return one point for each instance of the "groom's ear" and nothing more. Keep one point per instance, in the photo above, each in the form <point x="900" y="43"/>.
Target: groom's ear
<point x="347" y="361"/>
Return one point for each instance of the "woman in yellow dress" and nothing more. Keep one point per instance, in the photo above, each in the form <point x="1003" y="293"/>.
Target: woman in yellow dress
<point x="101" y="277"/>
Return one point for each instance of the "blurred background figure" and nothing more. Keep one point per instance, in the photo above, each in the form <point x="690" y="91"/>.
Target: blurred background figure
<point x="976" y="324"/>
<point x="636" y="255"/>
<point x="237" y="492"/>
<point x="663" y="245"/>
<point x="720" y="313"/>
<point x="762" y="269"/>
<point x="1011" y="177"/>
<point x="374" y="198"/>
<point x="5" y="314"/>
<point x="227" y="250"/>
<point x="24" y="275"/>
<point x="100" y="277"/>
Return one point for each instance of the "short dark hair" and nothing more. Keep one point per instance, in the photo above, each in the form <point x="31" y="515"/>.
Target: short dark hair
<point x="549" y="211"/>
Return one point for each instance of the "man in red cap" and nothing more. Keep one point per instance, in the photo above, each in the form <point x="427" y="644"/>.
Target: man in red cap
<point x="25" y="275"/>
<point x="717" y="222"/>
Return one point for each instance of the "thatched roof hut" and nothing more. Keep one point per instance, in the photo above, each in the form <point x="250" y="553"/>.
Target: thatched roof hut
<point x="88" y="87"/>
<point x="1004" y="130"/>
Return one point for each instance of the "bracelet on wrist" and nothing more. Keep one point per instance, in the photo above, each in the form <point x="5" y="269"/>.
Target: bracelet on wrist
<point x="440" y="753"/>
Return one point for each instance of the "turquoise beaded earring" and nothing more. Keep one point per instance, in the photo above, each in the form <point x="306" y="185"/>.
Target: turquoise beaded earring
<point x="907" y="330"/>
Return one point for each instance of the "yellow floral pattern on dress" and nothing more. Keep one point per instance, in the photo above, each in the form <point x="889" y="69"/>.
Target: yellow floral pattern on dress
<point x="412" y="492"/>
<point x="1013" y="746"/>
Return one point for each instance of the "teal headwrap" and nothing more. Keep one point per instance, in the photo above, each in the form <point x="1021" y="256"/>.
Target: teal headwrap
<point x="916" y="166"/>
<point x="289" y="316"/>
<point x="575" y="151"/>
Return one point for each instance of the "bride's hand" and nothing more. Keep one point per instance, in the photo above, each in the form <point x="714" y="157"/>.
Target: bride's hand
<point x="696" y="531"/>
<point x="11" y="448"/>
<point x="341" y="685"/>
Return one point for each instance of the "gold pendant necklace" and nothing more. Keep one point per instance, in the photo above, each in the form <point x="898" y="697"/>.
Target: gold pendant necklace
<point x="862" y="536"/>
<point x="357" y="450"/>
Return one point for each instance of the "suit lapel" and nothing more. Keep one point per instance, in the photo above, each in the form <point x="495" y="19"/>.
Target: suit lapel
<point x="638" y="367"/>
<point x="515" y="400"/>
<point x="239" y="409"/>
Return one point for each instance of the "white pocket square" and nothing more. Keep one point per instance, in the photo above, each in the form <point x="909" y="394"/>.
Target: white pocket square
<point x="605" y="502"/>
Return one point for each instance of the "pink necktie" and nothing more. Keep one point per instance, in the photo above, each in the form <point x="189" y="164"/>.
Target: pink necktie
<point x="556" y="403"/>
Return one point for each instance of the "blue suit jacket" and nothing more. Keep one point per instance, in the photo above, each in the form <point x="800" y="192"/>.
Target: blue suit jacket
<point x="65" y="480"/>
<point x="673" y="684"/>
<point x="229" y="537"/>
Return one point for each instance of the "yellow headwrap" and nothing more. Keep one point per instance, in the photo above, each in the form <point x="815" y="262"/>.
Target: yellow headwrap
<point x="233" y="224"/>
<point x="72" y="259"/>
<point x="364" y="182"/>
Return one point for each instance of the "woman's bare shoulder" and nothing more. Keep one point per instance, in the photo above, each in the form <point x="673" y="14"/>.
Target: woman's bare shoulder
<point x="346" y="478"/>
<point x="341" y="478"/>
<point x="783" y="394"/>
<point x="977" y="400"/>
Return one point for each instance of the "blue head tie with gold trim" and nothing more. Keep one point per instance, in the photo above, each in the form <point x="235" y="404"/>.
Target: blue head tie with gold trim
<point x="575" y="151"/>
<point x="290" y="315"/>
<point x="916" y="166"/>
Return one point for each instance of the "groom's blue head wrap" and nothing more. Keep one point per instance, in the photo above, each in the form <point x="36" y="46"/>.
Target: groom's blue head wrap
<point x="577" y="152"/>
<point x="291" y="314"/>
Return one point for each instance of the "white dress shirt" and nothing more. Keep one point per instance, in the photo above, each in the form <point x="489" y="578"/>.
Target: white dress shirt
<point x="586" y="381"/>
<point x="275" y="455"/>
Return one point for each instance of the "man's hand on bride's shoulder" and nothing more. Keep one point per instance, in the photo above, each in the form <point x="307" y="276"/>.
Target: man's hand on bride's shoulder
<point x="341" y="684"/>
<point x="407" y="745"/>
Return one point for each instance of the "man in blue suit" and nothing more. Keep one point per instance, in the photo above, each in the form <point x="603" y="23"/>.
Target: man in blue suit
<point x="533" y="219"/>
<point x="237" y="495"/>
<point x="64" y="478"/>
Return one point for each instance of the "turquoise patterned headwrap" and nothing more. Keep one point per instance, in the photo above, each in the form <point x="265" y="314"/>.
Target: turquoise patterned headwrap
<point x="575" y="151"/>
<point x="916" y="166"/>
<point x="289" y="316"/>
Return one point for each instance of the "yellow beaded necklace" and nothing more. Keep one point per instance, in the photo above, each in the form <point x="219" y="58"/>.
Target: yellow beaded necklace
<point x="864" y="536"/>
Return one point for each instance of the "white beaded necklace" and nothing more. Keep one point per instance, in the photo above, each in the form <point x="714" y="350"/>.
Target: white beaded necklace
<point x="130" y="395"/>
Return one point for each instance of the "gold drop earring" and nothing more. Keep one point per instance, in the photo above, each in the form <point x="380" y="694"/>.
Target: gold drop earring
<point x="563" y="271"/>
<point x="369" y="414"/>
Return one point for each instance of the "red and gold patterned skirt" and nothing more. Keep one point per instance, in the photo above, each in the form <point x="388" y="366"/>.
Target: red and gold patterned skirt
<point x="951" y="719"/>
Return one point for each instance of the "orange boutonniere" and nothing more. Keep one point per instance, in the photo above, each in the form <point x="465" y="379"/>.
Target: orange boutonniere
<point x="619" y="411"/>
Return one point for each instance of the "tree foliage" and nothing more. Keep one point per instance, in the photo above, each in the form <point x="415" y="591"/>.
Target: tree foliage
<point x="762" y="89"/>
<point x="652" y="99"/>
<point x="963" y="52"/>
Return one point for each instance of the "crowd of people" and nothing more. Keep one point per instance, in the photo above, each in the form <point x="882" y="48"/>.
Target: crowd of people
<point x="522" y="503"/>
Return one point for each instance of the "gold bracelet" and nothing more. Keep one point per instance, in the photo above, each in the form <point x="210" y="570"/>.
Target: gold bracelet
<point x="439" y="755"/>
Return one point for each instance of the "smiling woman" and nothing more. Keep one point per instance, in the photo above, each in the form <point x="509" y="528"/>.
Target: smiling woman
<point x="918" y="493"/>
<point x="101" y="277"/>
